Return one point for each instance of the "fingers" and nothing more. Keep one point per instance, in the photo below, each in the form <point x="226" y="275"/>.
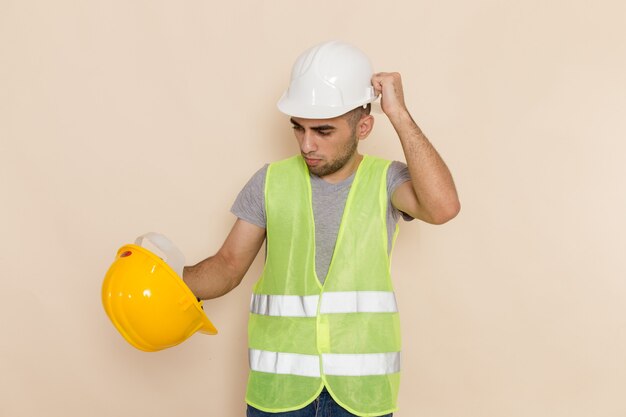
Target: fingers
<point x="377" y="82"/>
<point x="381" y="78"/>
<point x="389" y="83"/>
<point x="389" y="86"/>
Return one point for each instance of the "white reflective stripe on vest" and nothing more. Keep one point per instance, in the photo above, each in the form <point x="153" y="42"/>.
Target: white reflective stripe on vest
<point x="358" y="302"/>
<point x="284" y="305"/>
<point x="342" y="364"/>
<point x="337" y="364"/>
<point x="284" y="363"/>
<point x="332" y="303"/>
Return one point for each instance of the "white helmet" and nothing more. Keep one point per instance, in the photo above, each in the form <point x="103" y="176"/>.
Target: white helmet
<point x="327" y="81"/>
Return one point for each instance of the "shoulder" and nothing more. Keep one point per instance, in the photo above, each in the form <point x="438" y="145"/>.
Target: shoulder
<point x="259" y="176"/>
<point x="249" y="204"/>
<point x="256" y="183"/>
<point x="397" y="174"/>
<point x="397" y="167"/>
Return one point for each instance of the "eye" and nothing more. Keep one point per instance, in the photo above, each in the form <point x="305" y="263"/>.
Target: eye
<point x="297" y="128"/>
<point x="324" y="132"/>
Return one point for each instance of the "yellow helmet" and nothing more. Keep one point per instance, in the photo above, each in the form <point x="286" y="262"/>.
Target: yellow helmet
<point x="147" y="300"/>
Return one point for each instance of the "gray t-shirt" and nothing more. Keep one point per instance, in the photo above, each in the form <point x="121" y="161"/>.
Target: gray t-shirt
<point x="329" y="201"/>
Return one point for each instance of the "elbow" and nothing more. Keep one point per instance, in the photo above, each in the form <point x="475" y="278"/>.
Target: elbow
<point x="446" y="212"/>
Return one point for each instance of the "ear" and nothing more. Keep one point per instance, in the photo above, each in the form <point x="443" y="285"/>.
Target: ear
<point x="365" y="126"/>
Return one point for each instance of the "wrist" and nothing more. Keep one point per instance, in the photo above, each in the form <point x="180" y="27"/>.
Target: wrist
<point x="401" y="120"/>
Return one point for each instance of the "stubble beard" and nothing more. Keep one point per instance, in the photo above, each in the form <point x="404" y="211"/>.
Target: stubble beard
<point x="339" y="162"/>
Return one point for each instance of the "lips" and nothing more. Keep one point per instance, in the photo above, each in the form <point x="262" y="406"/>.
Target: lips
<point x="312" y="161"/>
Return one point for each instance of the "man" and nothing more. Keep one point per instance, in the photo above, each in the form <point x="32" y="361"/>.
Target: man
<point x="324" y="330"/>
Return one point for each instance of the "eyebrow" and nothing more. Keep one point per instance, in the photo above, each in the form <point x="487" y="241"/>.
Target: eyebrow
<point x="316" y="128"/>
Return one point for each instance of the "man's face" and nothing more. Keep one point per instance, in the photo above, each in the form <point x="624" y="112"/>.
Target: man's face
<point x="327" y="145"/>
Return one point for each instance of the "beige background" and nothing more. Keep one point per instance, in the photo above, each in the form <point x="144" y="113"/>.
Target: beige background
<point x="118" y="118"/>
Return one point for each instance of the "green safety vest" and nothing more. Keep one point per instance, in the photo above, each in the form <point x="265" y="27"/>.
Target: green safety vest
<point x="345" y="334"/>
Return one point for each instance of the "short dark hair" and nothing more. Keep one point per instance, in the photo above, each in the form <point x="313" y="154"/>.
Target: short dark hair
<point x="354" y="115"/>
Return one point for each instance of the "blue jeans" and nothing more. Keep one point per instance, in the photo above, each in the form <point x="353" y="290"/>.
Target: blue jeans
<point x="323" y="406"/>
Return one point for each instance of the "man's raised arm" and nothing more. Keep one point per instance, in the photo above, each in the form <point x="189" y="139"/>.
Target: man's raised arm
<point x="430" y="195"/>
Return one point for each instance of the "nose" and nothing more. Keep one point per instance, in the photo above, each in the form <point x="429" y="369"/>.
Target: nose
<point x="308" y="143"/>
